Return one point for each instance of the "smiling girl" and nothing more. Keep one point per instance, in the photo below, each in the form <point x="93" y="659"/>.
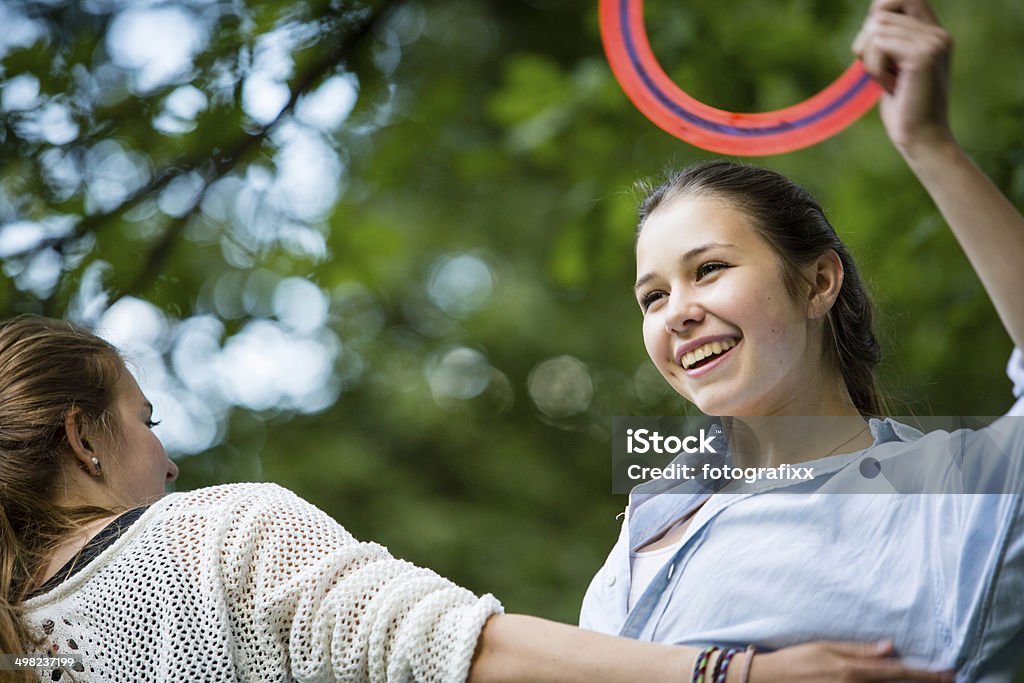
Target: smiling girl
<point x="753" y="310"/>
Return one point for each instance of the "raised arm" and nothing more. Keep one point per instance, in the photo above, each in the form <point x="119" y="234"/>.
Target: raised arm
<point x="904" y="48"/>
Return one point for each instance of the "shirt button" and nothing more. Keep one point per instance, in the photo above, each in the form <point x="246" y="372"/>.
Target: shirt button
<point x="610" y="580"/>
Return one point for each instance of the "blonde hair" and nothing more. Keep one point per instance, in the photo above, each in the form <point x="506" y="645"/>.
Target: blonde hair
<point x="47" y="369"/>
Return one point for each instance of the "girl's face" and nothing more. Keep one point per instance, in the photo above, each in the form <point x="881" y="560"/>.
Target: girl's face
<point x="719" y="323"/>
<point x="140" y="469"/>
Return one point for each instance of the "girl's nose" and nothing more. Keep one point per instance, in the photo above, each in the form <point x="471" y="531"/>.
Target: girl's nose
<point x="683" y="311"/>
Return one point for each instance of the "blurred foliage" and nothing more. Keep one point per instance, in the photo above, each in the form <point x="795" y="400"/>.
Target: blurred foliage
<point x="469" y="228"/>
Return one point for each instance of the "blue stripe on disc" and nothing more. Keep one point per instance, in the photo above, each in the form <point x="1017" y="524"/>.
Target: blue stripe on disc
<point x="682" y="113"/>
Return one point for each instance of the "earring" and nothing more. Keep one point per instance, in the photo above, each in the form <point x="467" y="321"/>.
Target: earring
<point x="96" y="464"/>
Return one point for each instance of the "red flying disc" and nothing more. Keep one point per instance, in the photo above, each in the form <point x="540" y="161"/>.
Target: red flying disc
<point x="717" y="130"/>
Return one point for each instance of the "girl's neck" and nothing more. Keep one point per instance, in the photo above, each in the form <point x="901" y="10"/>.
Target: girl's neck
<point x="774" y="440"/>
<point x="814" y="419"/>
<point x="71" y="546"/>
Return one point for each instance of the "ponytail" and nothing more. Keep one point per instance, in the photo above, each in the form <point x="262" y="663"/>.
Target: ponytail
<point x="47" y="367"/>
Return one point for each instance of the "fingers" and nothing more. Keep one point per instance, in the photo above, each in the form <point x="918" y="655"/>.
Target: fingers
<point x="840" y="662"/>
<point x="933" y="37"/>
<point x="875" y="662"/>
<point x="878" y="63"/>
<point x="889" y="43"/>
<point x="918" y="9"/>
<point x="913" y="24"/>
<point x="894" y="670"/>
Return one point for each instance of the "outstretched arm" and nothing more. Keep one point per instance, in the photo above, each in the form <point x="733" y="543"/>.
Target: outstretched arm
<point x="904" y="48"/>
<point x="516" y="649"/>
<point x="305" y="599"/>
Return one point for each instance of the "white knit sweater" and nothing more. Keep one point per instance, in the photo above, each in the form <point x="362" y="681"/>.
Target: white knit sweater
<point x="248" y="582"/>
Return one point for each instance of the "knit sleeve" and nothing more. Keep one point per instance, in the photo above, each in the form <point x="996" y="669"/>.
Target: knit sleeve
<point x="305" y="595"/>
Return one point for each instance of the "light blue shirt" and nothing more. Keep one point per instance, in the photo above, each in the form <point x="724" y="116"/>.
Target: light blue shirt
<point x="940" y="574"/>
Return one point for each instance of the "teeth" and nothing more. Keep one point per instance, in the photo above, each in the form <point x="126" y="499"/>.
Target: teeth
<point x="706" y="351"/>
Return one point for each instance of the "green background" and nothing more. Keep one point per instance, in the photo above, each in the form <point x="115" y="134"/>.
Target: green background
<point x="492" y="131"/>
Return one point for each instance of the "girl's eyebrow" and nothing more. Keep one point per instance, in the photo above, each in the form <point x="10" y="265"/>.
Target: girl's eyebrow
<point x="692" y="254"/>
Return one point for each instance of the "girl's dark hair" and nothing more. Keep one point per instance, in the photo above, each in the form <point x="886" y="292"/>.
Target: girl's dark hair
<point x="795" y="226"/>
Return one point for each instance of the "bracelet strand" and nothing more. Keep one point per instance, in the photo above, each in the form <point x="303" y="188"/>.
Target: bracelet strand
<point x="700" y="667"/>
<point x="745" y="676"/>
<point x="722" y="665"/>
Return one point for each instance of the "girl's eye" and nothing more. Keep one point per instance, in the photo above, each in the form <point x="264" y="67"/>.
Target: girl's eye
<point x="152" y="423"/>
<point x="647" y="300"/>
<point x="705" y="269"/>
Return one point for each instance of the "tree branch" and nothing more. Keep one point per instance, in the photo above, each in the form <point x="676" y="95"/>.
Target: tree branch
<point x="157" y="256"/>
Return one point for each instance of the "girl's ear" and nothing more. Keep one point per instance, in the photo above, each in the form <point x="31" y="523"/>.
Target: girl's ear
<point x="77" y="439"/>
<point x="827" y="280"/>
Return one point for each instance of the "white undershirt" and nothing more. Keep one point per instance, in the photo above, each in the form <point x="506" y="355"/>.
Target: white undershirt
<point x="644" y="565"/>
